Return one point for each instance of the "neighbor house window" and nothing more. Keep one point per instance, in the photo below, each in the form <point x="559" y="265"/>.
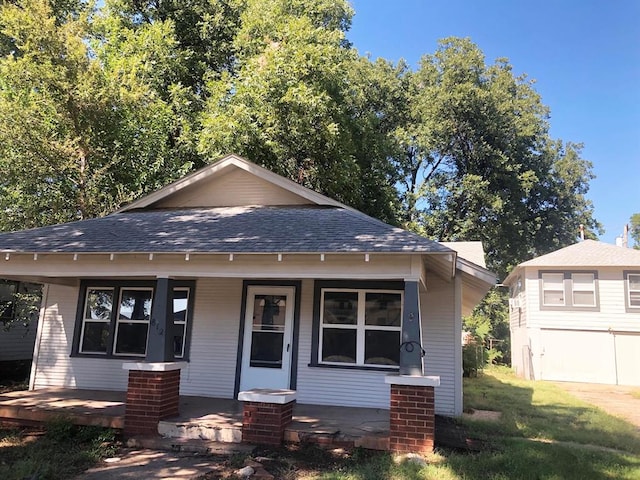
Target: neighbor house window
<point x="360" y="327"/>
<point x="633" y="289"/>
<point x="569" y="290"/>
<point x="115" y="319"/>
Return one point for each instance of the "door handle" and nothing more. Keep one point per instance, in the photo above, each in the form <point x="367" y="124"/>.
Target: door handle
<point x="288" y="345"/>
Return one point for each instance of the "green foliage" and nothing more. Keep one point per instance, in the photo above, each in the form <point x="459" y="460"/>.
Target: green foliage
<point x="62" y="452"/>
<point x="634" y="230"/>
<point x="479" y="164"/>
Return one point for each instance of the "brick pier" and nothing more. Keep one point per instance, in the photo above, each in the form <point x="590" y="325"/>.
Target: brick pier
<point x="153" y="394"/>
<point x="412" y="413"/>
<point x="266" y="414"/>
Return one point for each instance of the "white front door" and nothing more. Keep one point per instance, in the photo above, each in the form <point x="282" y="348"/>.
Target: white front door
<point x="268" y="333"/>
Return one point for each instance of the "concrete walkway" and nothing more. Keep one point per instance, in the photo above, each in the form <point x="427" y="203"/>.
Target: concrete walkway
<point x="151" y="464"/>
<point x="613" y="399"/>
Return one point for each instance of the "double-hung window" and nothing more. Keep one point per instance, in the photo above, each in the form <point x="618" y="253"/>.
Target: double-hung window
<point x="569" y="290"/>
<point x="360" y="327"/>
<point x="114" y="319"/>
<point x="632" y="285"/>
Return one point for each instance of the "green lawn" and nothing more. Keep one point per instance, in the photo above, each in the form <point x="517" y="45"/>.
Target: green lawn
<point x="544" y="434"/>
<point x="59" y="452"/>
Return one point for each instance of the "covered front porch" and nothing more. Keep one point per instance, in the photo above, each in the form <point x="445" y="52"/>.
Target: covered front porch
<point x="201" y="418"/>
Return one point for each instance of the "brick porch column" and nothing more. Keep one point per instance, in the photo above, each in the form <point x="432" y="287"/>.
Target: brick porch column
<point x="153" y="393"/>
<point x="266" y="413"/>
<point x="411" y="414"/>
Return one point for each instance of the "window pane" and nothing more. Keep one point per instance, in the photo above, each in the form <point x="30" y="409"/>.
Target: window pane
<point x="269" y="312"/>
<point x="95" y="336"/>
<point x="583" y="281"/>
<point x="553" y="281"/>
<point x="553" y="297"/>
<point x="180" y="303"/>
<point x="266" y="349"/>
<point x="634" y="282"/>
<point x="584" y="298"/>
<point x="99" y="304"/>
<point x="340" y="308"/>
<point x="135" y="304"/>
<point x="178" y="339"/>
<point x="382" y="348"/>
<point x="634" y="299"/>
<point x="132" y="338"/>
<point x="383" y="309"/>
<point x="339" y="345"/>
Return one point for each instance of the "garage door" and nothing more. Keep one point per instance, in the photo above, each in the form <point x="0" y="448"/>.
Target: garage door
<point x="577" y="356"/>
<point x="628" y="358"/>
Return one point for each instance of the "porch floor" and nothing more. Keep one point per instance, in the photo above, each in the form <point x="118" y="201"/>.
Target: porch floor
<point x="200" y="417"/>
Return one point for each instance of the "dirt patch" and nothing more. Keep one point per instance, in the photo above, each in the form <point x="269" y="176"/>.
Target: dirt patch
<point x="614" y="399"/>
<point x="485" y="415"/>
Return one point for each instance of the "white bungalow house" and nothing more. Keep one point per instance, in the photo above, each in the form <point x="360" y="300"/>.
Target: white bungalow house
<point x="264" y="284"/>
<point x="575" y="315"/>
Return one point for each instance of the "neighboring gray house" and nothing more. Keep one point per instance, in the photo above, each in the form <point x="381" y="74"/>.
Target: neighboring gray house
<point x="271" y="285"/>
<point x="16" y="342"/>
<point x="575" y="315"/>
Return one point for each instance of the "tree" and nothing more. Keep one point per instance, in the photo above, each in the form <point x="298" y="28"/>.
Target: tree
<point x="634" y="230"/>
<point x="81" y="128"/>
<point x="478" y="164"/>
<point x="296" y="103"/>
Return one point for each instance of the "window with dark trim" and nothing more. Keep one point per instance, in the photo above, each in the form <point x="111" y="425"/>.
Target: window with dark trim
<point x="632" y="287"/>
<point x="577" y="290"/>
<point x="357" y="327"/>
<point x="113" y="318"/>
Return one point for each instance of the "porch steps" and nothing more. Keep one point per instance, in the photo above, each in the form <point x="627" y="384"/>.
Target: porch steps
<point x="201" y="447"/>
<point x="201" y="430"/>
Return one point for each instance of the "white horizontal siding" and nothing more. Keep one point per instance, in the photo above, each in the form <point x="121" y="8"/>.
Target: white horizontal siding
<point x="438" y="334"/>
<point x="17" y="343"/>
<point x="333" y="386"/>
<point x="611" y="314"/>
<point x="236" y="188"/>
<point x="214" y="340"/>
<point x="54" y="366"/>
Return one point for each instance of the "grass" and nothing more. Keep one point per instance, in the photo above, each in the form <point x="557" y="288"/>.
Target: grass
<point x="58" y="452"/>
<point x="544" y="434"/>
<point x="635" y="393"/>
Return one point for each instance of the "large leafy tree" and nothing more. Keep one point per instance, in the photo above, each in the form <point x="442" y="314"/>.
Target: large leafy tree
<point x="478" y="163"/>
<point x="634" y="230"/>
<point x="82" y="130"/>
<point x="298" y="104"/>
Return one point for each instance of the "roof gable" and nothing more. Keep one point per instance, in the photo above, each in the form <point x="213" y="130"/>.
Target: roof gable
<point x="231" y="182"/>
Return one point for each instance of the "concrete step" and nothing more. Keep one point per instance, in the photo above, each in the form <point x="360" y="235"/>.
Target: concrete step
<point x="201" y="447"/>
<point x="200" y="431"/>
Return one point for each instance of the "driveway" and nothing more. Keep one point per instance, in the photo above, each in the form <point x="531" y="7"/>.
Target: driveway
<point x="613" y="399"/>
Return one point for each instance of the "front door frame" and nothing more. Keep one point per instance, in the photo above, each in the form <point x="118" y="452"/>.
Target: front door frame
<point x="297" y="285"/>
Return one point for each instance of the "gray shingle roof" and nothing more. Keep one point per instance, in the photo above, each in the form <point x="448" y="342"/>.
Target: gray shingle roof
<point x="588" y="253"/>
<point x="299" y="229"/>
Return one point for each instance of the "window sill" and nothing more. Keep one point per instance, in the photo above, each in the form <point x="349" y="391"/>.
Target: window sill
<point x="380" y="368"/>
<point x="124" y="358"/>
<point x="568" y="308"/>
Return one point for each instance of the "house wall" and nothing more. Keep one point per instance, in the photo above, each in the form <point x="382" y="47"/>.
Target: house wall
<point x="588" y="346"/>
<point x="212" y="366"/>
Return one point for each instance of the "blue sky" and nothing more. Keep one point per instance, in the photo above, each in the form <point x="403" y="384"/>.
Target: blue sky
<point x="584" y="56"/>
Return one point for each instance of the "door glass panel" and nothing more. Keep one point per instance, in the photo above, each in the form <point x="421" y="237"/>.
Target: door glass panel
<point x="267" y="336"/>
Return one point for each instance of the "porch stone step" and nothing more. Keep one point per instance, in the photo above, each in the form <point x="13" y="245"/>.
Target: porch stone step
<point x="200" y="431"/>
<point x="201" y="447"/>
